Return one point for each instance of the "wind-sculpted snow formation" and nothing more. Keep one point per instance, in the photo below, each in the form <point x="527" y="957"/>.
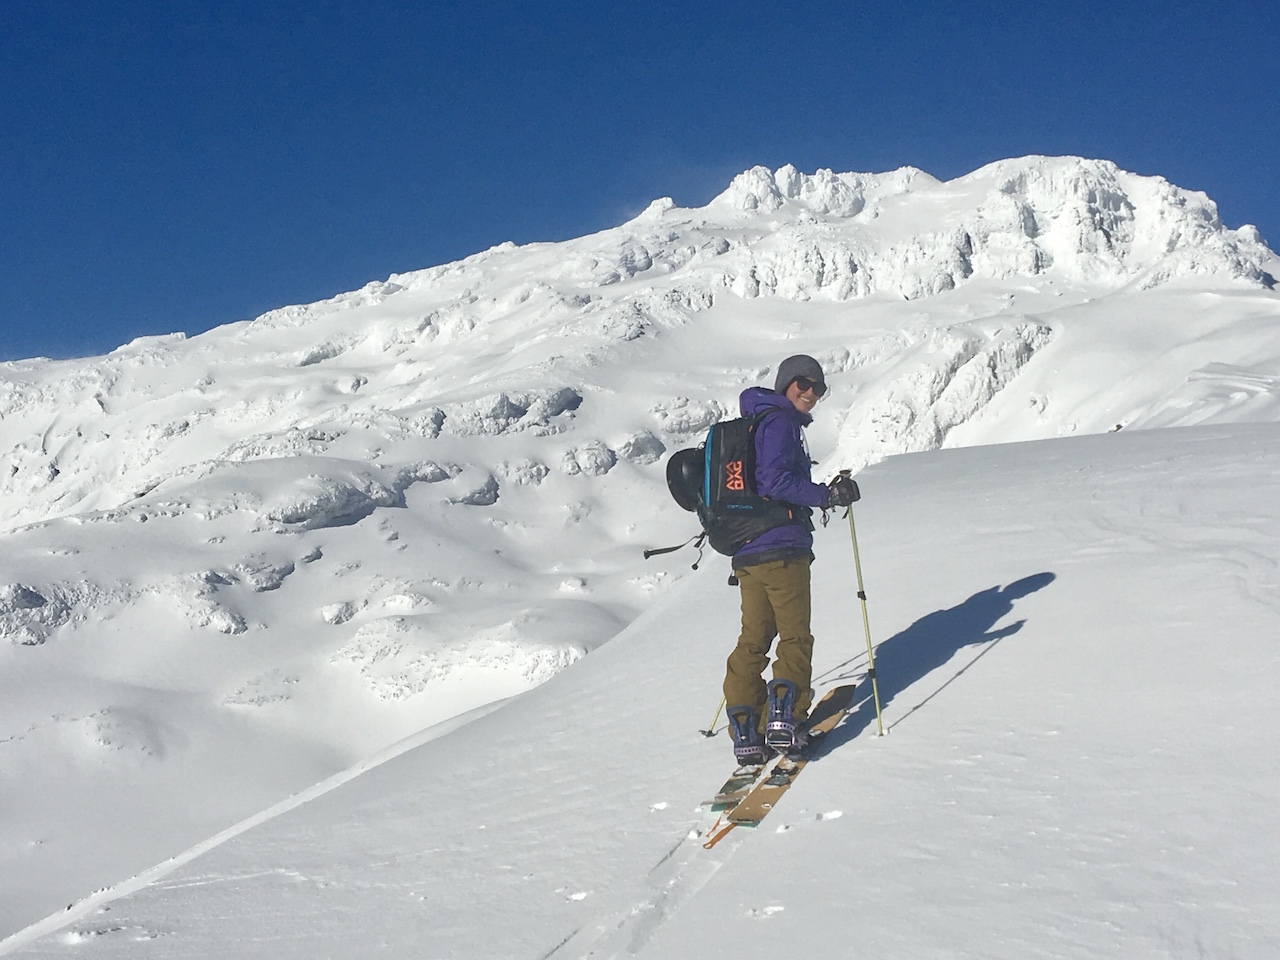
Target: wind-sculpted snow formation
<point x="314" y="533"/>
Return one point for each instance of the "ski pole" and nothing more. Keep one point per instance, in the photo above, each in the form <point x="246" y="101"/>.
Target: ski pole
<point x="866" y="622"/>
<point x="711" y="730"/>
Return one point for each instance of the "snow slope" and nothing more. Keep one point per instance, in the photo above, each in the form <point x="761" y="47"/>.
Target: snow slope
<point x="1078" y="671"/>
<point x="239" y="564"/>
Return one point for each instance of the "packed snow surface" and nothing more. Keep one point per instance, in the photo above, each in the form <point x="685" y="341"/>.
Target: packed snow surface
<point x="1077" y="662"/>
<point x="364" y="578"/>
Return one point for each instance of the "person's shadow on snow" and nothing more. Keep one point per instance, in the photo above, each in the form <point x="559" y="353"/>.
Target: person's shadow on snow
<point x="928" y="644"/>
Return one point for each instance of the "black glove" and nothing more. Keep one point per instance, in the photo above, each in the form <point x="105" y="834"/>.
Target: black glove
<point x="844" y="491"/>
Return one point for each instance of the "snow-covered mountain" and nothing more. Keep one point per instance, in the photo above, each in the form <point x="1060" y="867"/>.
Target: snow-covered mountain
<point x="240" y="563"/>
<point x="980" y="272"/>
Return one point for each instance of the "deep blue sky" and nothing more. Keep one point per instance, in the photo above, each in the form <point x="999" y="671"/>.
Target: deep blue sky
<point x="169" y="166"/>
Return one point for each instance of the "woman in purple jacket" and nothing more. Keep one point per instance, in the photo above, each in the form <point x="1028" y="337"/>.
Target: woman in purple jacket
<point x="773" y="571"/>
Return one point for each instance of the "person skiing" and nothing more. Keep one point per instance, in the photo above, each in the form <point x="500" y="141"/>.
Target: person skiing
<point x="772" y="571"/>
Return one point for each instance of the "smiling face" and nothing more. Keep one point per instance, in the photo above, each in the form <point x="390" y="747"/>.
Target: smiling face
<point x="802" y="400"/>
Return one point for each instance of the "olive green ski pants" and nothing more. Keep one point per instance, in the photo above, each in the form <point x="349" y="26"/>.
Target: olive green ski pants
<point x="775" y="603"/>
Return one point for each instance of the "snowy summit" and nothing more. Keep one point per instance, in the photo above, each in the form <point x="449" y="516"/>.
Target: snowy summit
<point x="329" y="633"/>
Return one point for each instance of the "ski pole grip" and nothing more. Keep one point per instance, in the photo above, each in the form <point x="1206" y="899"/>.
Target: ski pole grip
<point x="847" y="474"/>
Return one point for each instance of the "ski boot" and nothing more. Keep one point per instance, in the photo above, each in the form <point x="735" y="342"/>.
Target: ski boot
<point x="782" y="732"/>
<point x="748" y="745"/>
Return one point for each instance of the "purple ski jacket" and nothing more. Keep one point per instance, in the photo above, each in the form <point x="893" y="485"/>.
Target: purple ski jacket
<point x="782" y="473"/>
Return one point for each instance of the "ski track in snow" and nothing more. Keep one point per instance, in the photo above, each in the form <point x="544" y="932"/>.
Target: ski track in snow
<point x="671" y="884"/>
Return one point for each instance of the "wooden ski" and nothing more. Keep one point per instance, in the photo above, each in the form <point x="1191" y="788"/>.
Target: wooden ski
<point x="761" y="794"/>
<point x="765" y="794"/>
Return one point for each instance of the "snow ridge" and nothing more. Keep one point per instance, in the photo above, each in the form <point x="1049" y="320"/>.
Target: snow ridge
<point x="1084" y="220"/>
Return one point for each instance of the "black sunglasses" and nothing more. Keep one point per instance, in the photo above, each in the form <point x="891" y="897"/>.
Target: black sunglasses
<point x="804" y="385"/>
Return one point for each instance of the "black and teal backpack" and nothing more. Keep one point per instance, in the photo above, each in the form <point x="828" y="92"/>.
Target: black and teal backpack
<point x="717" y="481"/>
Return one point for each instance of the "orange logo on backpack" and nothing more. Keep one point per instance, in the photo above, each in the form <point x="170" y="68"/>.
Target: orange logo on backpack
<point x="733" y="479"/>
